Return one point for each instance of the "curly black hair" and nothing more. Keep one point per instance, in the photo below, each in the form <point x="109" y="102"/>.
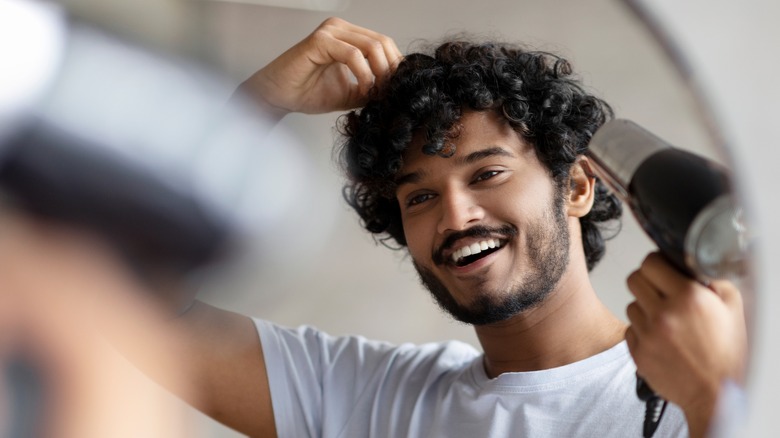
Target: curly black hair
<point x="534" y="91"/>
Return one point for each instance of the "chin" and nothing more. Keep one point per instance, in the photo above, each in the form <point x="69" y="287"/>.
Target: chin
<point x="487" y="307"/>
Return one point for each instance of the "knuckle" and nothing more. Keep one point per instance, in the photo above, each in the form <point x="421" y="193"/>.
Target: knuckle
<point x="332" y="21"/>
<point x="328" y="27"/>
<point x="320" y="35"/>
<point x="376" y="46"/>
<point x="665" y="325"/>
<point x="385" y="40"/>
<point x="698" y="300"/>
<point x="356" y="55"/>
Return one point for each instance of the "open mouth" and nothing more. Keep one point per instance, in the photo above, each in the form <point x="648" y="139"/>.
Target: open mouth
<point x="471" y="253"/>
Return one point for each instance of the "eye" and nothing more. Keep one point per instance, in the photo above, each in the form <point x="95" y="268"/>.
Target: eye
<point x="418" y="199"/>
<point x="487" y="175"/>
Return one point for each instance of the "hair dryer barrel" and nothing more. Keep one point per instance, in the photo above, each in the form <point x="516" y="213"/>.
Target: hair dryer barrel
<point x="683" y="201"/>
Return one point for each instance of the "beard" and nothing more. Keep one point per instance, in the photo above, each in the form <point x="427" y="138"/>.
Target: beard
<point x="547" y="252"/>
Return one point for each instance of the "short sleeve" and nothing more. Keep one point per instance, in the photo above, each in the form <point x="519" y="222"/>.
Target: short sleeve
<point x="321" y="383"/>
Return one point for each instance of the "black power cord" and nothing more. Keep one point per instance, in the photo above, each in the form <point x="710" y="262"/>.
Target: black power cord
<point x="655" y="407"/>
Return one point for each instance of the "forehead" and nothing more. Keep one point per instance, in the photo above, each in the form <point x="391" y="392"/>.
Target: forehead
<point x="478" y="130"/>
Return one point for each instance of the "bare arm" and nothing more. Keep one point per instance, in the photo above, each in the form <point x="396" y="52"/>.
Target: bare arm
<point x="314" y="76"/>
<point x="229" y="369"/>
<point x="687" y="339"/>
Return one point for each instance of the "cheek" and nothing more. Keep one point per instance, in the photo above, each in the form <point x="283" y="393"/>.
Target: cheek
<point x="521" y="199"/>
<point x="418" y="240"/>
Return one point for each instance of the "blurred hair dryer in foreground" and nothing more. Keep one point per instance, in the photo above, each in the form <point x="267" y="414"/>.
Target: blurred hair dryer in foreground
<point x="683" y="201"/>
<point x="147" y="150"/>
<point x="58" y="176"/>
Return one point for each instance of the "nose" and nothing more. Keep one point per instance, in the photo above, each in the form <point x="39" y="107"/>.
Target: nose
<point x="459" y="211"/>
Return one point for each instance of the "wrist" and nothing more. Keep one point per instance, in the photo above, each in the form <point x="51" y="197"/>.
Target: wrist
<point x="699" y="413"/>
<point x="256" y="90"/>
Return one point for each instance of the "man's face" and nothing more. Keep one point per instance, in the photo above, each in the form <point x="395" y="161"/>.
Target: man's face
<point x="486" y="228"/>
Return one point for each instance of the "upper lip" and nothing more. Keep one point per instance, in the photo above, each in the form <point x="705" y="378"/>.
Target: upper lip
<point x="456" y="241"/>
<point x="472" y="246"/>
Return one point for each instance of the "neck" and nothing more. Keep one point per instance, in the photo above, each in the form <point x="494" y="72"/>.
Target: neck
<point x="570" y="325"/>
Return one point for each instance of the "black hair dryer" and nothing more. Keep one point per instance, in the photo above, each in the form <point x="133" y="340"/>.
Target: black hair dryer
<point x="155" y="224"/>
<point x="683" y="201"/>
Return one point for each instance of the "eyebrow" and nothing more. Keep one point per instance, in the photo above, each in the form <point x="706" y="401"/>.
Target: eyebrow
<point x="413" y="177"/>
<point x="484" y="153"/>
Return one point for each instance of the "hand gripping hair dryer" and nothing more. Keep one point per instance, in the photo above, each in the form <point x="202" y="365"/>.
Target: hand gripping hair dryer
<point x="683" y="202"/>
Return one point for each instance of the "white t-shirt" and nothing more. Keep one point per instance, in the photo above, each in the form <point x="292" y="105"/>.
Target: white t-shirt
<point x="351" y="387"/>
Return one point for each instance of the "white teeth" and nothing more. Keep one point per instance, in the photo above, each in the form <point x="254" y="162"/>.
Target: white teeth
<point x="475" y="248"/>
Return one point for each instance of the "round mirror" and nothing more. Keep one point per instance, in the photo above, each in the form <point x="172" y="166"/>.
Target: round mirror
<point x="353" y="285"/>
<point x="341" y="288"/>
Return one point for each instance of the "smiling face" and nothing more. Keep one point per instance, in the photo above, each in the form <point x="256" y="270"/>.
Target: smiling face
<point x="486" y="228"/>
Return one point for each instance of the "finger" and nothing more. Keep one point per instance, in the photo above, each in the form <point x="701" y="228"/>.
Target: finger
<point x="380" y="50"/>
<point x="383" y="57"/>
<point x="667" y="279"/>
<point x="392" y="53"/>
<point x="647" y="295"/>
<point x="351" y="56"/>
<point x="632" y="340"/>
<point x="373" y="51"/>
<point x="637" y="317"/>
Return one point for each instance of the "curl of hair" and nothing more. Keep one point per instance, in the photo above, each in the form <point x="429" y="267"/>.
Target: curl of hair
<point x="534" y="91"/>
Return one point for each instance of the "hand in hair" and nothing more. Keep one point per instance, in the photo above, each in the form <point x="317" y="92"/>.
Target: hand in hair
<point x="331" y="69"/>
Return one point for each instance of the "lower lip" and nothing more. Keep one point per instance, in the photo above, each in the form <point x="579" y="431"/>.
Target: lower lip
<point x="481" y="263"/>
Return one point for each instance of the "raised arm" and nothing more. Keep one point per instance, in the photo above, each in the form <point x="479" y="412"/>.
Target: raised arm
<point x="332" y="69"/>
<point x="687" y="339"/>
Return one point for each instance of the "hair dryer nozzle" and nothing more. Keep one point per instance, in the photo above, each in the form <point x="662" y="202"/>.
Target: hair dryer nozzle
<point x="617" y="149"/>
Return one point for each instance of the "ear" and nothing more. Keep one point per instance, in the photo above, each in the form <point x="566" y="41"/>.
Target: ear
<point x="582" y="188"/>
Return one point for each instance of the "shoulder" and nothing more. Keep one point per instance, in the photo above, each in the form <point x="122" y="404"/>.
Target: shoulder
<point x="353" y="351"/>
<point x="314" y="376"/>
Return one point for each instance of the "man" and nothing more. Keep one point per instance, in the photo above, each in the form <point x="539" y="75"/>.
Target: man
<point x="497" y="206"/>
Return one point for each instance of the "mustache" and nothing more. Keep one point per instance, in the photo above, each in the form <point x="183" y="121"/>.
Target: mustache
<point x="506" y="231"/>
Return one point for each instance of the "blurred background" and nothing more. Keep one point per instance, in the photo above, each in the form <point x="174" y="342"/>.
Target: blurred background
<point x="310" y="262"/>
